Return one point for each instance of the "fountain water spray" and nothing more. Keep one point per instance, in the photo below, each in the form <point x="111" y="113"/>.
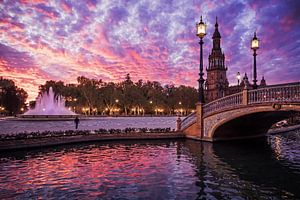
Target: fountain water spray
<point x="49" y="104"/>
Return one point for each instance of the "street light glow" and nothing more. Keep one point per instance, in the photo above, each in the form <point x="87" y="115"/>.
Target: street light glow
<point x="201" y="29"/>
<point x="238" y="76"/>
<point x="255" y="42"/>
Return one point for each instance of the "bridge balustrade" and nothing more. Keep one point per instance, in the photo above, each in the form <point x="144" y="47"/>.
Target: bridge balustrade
<point x="230" y="101"/>
<point x="287" y="93"/>
<point x="190" y="119"/>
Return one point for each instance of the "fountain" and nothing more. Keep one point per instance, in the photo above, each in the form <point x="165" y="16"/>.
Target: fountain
<point x="49" y="106"/>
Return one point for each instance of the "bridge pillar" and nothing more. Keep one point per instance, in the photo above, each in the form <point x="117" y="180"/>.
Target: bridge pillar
<point x="199" y="118"/>
<point x="245" y="96"/>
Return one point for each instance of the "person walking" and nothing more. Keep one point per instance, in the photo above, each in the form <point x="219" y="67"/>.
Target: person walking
<point x="76" y="121"/>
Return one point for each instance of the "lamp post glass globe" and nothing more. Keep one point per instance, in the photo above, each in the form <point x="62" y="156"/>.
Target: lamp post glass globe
<point x="238" y="76"/>
<point x="201" y="29"/>
<point x="255" y="43"/>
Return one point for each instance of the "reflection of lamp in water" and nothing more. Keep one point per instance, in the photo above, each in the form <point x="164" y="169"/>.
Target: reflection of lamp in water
<point x="277" y="147"/>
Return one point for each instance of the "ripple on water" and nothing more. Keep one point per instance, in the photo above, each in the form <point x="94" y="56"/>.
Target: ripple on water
<point x="167" y="169"/>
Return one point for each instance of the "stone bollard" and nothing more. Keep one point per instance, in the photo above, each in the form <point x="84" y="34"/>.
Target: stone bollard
<point x="178" y="124"/>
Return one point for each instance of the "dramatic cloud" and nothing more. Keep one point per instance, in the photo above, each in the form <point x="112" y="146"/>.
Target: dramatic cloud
<point x="151" y="40"/>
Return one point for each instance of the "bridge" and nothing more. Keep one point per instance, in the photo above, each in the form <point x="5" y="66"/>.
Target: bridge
<point x="246" y="114"/>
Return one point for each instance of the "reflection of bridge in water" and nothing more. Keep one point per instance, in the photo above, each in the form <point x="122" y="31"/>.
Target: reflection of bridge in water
<point x="222" y="168"/>
<point x="249" y="113"/>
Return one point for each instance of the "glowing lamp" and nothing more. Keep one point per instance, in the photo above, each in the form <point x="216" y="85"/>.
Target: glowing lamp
<point x="238" y="76"/>
<point x="255" y="42"/>
<point x="201" y="29"/>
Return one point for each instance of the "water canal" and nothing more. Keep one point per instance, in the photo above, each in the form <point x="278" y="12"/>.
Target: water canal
<point x="267" y="168"/>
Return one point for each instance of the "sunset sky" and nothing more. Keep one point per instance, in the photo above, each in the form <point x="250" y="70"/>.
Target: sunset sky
<point x="150" y="39"/>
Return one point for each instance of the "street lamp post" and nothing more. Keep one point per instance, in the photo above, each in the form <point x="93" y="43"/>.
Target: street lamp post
<point x="201" y="32"/>
<point x="238" y="77"/>
<point x="254" y="47"/>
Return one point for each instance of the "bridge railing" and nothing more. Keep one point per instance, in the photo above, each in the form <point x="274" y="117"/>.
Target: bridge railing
<point x="230" y="101"/>
<point x="279" y="93"/>
<point x="283" y="93"/>
<point x="190" y="119"/>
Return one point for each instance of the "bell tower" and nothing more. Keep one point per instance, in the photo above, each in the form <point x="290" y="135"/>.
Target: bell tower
<point x="216" y="82"/>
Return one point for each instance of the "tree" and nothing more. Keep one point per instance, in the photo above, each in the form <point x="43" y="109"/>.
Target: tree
<point x="89" y="89"/>
<point x="109" y="95"/>
<point x="58" y="87"/>
<point x="12" y="98"/>
<point x="126" y="88"/>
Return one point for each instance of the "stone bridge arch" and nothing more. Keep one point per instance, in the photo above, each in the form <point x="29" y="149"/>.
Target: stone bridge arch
<point x="245" y="122"/>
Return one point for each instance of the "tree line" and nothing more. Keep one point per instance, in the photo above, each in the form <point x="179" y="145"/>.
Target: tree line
<point x="96" y="97"/>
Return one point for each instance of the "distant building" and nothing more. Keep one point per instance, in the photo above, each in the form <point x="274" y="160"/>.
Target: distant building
<point x="217" y="85"/>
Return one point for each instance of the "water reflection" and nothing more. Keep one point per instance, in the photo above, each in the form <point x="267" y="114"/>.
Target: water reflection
<point x="167" y="169"/>
<point x="257" y="163"/>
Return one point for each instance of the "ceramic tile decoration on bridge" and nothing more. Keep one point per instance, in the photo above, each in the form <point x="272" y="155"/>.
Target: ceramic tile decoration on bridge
<point x="247" y="114"/>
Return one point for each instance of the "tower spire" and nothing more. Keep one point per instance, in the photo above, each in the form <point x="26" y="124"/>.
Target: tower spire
<point x="216" y="82"/>
<point x="216" y="33"/>
<point x="216" y="58"/>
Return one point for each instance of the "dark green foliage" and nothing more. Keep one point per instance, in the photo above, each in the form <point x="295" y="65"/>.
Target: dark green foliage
<point x="12" y="98"/>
